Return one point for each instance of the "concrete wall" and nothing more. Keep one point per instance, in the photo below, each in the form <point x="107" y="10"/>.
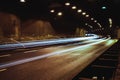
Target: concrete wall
<point x="9" y="25"/>
<point x="37" y="28"/>
<point x="118" y="33"/>
<point x="80" y="32"/>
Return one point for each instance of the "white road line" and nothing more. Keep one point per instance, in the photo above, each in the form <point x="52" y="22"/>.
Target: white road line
<point x="7" y="55"/>
<point x="1" y="70"/>
<point x="30" y="51"/>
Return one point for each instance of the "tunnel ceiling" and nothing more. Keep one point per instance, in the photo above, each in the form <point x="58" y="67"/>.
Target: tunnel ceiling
<point x="41" y="8"/>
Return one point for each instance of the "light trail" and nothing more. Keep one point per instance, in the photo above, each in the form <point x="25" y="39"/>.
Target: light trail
<point x="30" y="51"/>
<point x="1" y="70"/>
<point x="9" y="64"/>
<point x="7" y="55"/>
<point x="74" y="44"/>
<point x="44" y="43"/>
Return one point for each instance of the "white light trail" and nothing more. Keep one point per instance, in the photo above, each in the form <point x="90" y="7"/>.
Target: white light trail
<point x="7" y="55"/>
<point x="43" y="43"/>
<point x="48" y="55"/>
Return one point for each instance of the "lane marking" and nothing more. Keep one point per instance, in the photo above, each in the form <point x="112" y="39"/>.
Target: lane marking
<point x="7" y="55"/>
<point x="1" y="70"/>
<point x="30" y="51"/>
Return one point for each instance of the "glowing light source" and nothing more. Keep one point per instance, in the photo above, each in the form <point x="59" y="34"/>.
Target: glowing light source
<point x="87" y="16"/>
<point x="86" y="24"/>
<point x="10" y="64"/>
<point x="22" y="1"/>
<point x="110" y="22"/>
<point x="79" y="10"/>
<point x="99" y="25"/>
<point x="83" y="13"/>
<point x="90" y="26"/>
<point x="92" y="18"/>
<point x="95" y="21"/>
<point x="52" y="11"/>
<point x="60" y="14"/>
<point x="104" y="7"/>
<point x="67" y="4"/>
<point x="74" y="7"/>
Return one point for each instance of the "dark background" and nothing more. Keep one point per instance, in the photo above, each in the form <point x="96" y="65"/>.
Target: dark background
<point x="40" y="9"/>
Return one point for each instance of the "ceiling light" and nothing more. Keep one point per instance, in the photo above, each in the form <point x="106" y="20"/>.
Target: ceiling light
<point x="79" y="10"/>
<point x="92" y="18"/>
<point x="22" y="1"/>
<point x="87" y="16"/>
<point x="67" y="4"/>
<point x="83" y="13"/>
<point x="60" y="14"/>
<point x="52" y="11"/>
<point x="74" y="7"/>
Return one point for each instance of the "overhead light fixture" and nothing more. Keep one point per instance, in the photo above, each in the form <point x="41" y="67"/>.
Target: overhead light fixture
<point x="60" y="14"/>
<point x="110" y="22"/>
<point x="79" y="10"/>
<point x="104" y="7"/>
<point x="22" y="1"/>
<point x="83" y="13"/>
<point x="86" y="24"/>
<point x="99" y="25"/>
<point x="67" y="4"/>
<point x="74" y="7"/>
<point x="95" y="21"/>
<point x="52" y="11"/>
<point x="92" y="18"/>
<point x="87" y="16"/>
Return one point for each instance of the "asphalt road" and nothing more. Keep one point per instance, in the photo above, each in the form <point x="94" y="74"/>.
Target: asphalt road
<point x="51" y="63"/>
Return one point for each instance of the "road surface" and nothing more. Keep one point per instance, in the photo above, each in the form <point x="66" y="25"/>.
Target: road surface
<point x="51" y="63"/>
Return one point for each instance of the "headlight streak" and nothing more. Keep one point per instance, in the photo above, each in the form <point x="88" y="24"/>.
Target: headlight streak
<point x="74" y="44"/>
<point x="9" y="64"/>
<point x="43" y="43"/>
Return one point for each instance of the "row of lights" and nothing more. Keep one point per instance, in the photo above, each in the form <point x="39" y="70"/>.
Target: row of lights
<point x="78" y="11"/>
<point x="88" y="25"/>
<point x="98" y="29"/>
<point x="84" y="14"/>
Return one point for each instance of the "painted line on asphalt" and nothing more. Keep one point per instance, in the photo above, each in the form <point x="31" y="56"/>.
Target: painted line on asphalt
<point x="7" y="55"/>
<point x="30" y="51"/>
<point x="1" y="70"/>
